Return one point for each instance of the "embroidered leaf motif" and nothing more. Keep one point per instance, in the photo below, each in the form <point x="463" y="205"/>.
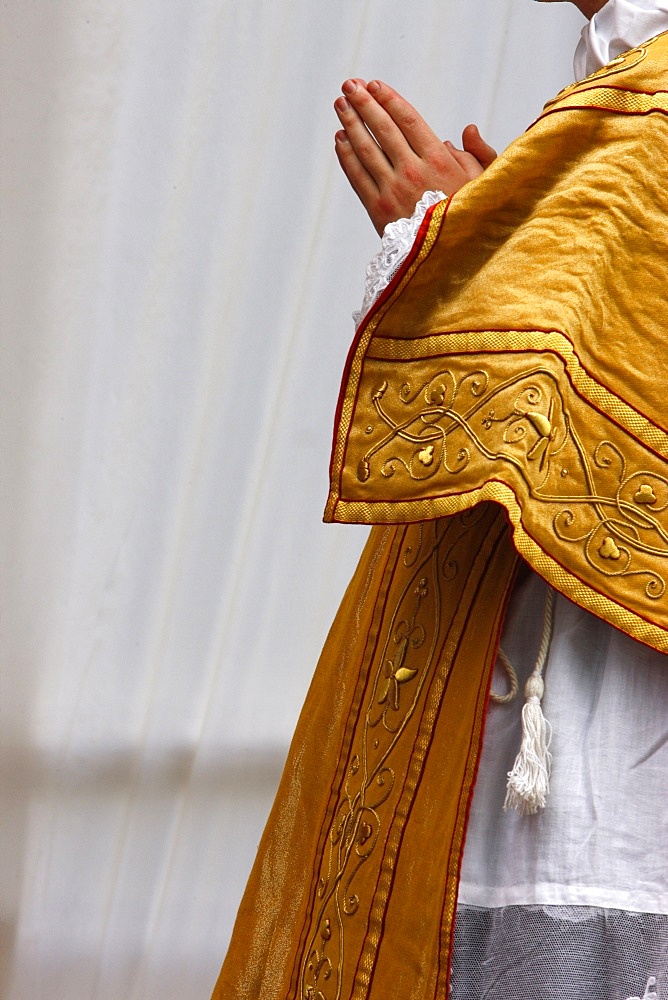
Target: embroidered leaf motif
<point x="405" y="674"/>
<point x="437" y="395"/>
<point x="538" y="449"/>
<point x="386" y="692"/>
<point x="608" y="549"/>
<point x="365" y="832"/>
<point x="645" y="494"/>
<point x="541" y="423"/>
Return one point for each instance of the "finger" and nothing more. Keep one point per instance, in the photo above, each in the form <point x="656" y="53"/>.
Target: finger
<point x="467" y="161"/>
<point x="474" y="143"/>
<point x="362" y="141"/>
<point x="379" y="123"/>
<point x="421" y="138"/>
<point x="360" y="180"/>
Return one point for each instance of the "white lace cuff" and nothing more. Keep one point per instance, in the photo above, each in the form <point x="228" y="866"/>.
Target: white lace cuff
<point x="398" y="238"/>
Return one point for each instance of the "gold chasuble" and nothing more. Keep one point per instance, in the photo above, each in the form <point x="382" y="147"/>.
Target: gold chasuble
<point x="506" y="394"/>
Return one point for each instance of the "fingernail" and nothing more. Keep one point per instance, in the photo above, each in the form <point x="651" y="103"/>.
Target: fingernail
<point x="449" y="144"/>
<point x="341" y="104"/>
<point x="341" y="137"/>
<point x="349" y="87"/>
<point x="373" y="87"/>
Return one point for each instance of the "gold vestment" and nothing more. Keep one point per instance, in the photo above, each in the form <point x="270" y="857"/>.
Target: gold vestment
<point x="505" y="395"/>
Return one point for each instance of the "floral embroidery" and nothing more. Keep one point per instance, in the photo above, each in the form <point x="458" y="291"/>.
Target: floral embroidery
<point x="477" y="425"/>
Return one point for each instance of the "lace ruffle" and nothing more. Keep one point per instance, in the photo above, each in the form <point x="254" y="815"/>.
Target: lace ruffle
<point x="398" y="238"/>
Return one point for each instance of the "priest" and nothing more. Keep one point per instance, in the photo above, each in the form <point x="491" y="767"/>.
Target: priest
<point x="502" y="424"/>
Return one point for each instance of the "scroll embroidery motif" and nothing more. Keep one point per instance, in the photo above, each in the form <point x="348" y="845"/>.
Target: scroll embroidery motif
<point x="464" y="425"/>
<point x="374" y="775"/>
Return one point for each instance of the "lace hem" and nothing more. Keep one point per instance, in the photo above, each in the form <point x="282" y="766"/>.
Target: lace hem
<point x="398" y="238"/>
<point x="541" y="952"/>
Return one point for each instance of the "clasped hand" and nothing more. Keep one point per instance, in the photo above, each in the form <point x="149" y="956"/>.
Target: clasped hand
<point x="391" y="156"/>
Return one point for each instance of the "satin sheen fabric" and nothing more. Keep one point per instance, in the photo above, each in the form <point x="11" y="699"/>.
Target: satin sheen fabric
<point x="376" y="790"/>
<point x="519" y="355"/>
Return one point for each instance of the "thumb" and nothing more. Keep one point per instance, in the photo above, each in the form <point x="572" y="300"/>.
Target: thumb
<point x="475" y="144"/>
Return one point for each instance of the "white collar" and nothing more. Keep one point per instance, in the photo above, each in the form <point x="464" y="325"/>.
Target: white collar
<point x="618" y="26"/>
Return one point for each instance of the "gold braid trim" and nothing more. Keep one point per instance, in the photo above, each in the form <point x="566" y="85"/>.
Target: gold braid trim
<point x="627" y="102"/>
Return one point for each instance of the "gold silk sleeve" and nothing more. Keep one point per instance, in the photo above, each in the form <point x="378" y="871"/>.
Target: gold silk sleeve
<point x="519" y="356"/>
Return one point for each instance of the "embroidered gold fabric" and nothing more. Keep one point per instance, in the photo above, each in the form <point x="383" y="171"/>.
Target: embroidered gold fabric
<point x="371" y="812"/>
<point x="521" y="357"/>
<point x="506" y="394"/>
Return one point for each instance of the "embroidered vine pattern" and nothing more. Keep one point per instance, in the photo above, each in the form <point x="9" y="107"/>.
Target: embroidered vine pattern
<point x="613" y="512"/>
<point x="625" y="520"/>
<point x="401" y="673"/>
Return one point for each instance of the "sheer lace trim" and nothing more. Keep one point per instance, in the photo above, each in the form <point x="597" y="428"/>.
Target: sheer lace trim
<point x="398" y="238"/>
<point x="569" y="952"/>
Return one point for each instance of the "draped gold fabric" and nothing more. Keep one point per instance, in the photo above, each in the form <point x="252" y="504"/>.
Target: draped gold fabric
<point x="354" y="888"/>
<point x="518" y="358"/>
<point x="520" y="355"/>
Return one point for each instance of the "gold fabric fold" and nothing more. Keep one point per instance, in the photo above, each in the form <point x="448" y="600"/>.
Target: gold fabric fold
<point x="520" y="355"/>
<point x="353" y="893"/>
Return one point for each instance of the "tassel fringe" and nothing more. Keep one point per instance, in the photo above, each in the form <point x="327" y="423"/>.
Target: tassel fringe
<point x="529" y="780"/>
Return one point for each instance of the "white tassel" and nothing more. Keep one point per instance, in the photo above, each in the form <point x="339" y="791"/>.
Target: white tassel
<point x="529" y="780"/>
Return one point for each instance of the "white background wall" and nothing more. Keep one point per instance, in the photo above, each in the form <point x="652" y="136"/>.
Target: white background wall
<point x="180" y="258"/>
